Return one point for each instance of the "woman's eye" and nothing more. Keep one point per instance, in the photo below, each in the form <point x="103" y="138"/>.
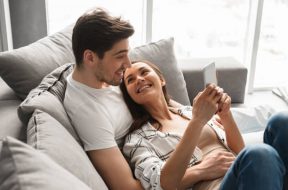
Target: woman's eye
<point x="129" y="80"/>
<point x="144" y="72"/>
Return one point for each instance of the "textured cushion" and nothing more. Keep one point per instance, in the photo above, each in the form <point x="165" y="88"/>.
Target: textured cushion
<point x="162" y="54"/>
<point x="23" y="69"/>
<point x="48" y="97"/>
<point x="10" y="125"/>
<point x="6" y="93"/>
<point x="22" y="167"/>
<point x="50" y="137"/>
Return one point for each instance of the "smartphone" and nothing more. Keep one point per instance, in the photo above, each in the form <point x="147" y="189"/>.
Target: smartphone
<point x="209" y="73"/>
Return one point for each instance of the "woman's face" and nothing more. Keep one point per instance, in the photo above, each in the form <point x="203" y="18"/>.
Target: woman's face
<point x="142" y="83"/>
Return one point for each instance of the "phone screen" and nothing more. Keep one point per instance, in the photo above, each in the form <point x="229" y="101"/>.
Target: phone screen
<point x="209" y="73"/>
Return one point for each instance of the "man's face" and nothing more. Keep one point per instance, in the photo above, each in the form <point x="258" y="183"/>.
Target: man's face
<point x="111" y="67"/>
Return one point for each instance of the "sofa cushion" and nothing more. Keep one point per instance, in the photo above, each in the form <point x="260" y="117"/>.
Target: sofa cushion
<point x="22" y="167"/>
<point x="46" y="134"/>
<point x="6" y="93"/>
<point x="48" y="97"/>
<point x="23" y="69"/>
<point x="10" y="124"/>
<point x="162" y="54"/>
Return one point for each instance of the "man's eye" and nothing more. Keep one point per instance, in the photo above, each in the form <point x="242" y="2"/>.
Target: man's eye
<point x="120" y="57"/>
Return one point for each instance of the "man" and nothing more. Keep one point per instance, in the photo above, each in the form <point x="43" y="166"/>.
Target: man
<point x="93" y="99"/>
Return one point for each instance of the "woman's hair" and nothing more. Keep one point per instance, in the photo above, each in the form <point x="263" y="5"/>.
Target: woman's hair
<point x="138" y="112"/>
<point x="97" y="31"/>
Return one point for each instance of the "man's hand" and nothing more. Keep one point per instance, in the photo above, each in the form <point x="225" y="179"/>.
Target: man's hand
<point x="114" y="169"/>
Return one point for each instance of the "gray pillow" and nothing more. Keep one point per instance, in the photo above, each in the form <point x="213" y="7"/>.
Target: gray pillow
<point x="162" y="54"/>
<point x="22" y="167"/>
<point x="48" y="97"/>
<point x="46" y="134"/>
<point x="23" y="69"/>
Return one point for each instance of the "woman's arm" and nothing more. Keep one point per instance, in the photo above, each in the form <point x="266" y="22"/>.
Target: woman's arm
<point x="211" y="167"/>
<point x="233" y="135"/>
<point x="175" y="167"/>
<point x="205" y="105"/>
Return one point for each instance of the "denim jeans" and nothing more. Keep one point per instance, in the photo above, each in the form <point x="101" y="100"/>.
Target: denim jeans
<point x="262" y="166"/>
<point x="257" y="167"/>
<point x="276" y="135"/>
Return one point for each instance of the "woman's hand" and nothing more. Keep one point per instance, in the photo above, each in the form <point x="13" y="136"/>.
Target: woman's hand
<point x="205" y="104"/>
<point x="215" y="165"/>
<point x="224" y="106"/>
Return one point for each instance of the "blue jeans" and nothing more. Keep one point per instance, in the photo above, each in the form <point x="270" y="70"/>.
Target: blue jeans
<point x="262" y="166"/>
<point x="276" y="135"/>
<point x="257" y="167"/>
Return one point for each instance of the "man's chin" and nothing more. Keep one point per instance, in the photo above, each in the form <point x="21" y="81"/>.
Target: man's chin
<point x="116" y="82"/>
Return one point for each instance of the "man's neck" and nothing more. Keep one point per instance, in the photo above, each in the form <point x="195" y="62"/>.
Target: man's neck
<point x="83" y="76"/>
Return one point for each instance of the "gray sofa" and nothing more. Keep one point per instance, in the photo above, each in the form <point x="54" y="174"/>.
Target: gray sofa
<point x="39" y="147"/>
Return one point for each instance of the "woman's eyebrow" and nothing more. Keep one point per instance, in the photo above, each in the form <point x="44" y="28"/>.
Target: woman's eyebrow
<point x="138" y="70"/>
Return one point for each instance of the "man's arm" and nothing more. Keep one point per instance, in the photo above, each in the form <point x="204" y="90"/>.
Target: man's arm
<point x="113" y="168"/>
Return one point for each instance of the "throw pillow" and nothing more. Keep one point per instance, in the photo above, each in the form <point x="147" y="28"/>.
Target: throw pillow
<point x="48" y="97"/>
<point x="46" y="134"/>
<point x="22" y="69"/>
<point x="22" y="167"/>
<point x="162" y="54"/>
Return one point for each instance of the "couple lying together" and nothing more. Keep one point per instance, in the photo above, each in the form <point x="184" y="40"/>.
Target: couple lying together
<point x="168" y="146"/>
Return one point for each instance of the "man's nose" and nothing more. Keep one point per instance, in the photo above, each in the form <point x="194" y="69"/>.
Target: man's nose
<point x="127" y="63"/>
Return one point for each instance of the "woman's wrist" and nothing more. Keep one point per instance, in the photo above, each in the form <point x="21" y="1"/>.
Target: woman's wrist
<point x="225" y="116"/>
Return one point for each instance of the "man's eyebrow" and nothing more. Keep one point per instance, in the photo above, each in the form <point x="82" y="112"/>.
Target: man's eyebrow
<point x="121" y="51"/>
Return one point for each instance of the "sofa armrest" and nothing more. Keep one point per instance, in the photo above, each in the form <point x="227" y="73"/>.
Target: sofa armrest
<point x="232" y="76"/>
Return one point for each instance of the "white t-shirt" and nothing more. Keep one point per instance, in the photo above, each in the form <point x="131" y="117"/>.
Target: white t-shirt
<point x="100" y="116"/>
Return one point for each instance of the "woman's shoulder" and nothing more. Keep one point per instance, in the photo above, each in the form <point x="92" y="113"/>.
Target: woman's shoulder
<point x="185" y="111"/>
<point x="147" y="130"/>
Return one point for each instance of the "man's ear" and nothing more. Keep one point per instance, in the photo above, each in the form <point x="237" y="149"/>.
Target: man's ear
<point x="89" y="57"/>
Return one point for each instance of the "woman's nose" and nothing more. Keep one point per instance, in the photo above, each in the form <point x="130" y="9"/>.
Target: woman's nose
<point x="140" y="79"/>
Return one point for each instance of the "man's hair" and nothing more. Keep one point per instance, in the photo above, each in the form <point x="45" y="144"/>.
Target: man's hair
<point x="139" y="114"/>
<point x="97" y="31"/>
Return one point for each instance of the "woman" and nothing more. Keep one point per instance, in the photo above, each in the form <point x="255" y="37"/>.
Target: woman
<point x="179" y="148"/>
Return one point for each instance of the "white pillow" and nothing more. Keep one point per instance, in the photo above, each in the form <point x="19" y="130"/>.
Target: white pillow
<point x="252" y="119"/>
<point x="252" y="122"/>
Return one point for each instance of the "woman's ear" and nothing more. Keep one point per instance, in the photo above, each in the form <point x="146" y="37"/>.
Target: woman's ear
<point x="163" y="82"/>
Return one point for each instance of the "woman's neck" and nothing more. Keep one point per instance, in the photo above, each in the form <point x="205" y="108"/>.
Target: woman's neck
<point x="159" y="110"/>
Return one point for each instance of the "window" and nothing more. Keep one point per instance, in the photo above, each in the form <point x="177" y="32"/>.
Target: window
<point x="201" y="29"/>
<point x="272" y="56"/>
<point x="64" y="12"/>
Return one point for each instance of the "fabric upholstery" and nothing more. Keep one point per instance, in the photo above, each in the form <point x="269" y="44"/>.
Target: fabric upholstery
<point x="22" y="168"/>
<point x="162" y="54"/>
<point x="22" y="69"/>
<point x="10" y="124"/>
<point x="48" y="97"/>
<point x="46" y="134"/>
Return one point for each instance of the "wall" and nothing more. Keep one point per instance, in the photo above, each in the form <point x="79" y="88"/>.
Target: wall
<point x="28" y="21"/>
